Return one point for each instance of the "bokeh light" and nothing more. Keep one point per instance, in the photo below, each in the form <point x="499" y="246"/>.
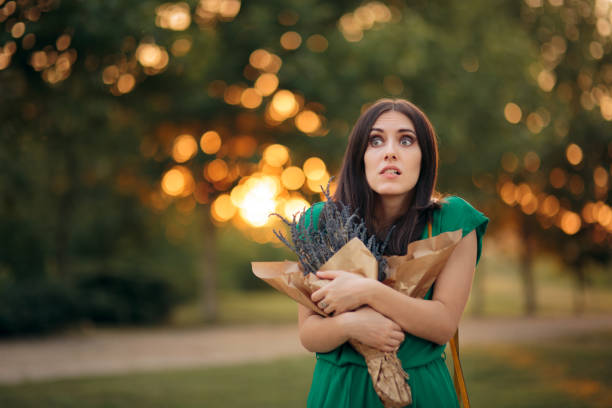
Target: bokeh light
<point x="178" y="181"/>
<point x="173" y="16"/>
<point x="547" y="80"/>
<point x="550" y="206"/>
<point x="109" y="75"/>
<point x="284" y="103"/>
<point x="293" y="178"/>
<point x="573" y="153"/>
<point x="276" y="155"/>
<point x="126" y="83"/>
<point x="210" y="142"/>
<point x="317" y="43"/>
<point x="184" y="148"/>
<point x="316" y="185"/>
<point x="314" y="168"/>
<point x="570" y="222"/>
<point x="266" y="84"/>
<point x="63" y="42"/>
<point x="251" y="98"/>
<point x="307" y="121"/>
<point x="513" y="113"/>
<point x="531" y="161"/>
<point x="208" y="11"/>
<point x="557" y="177"/>
<point x="509" y="162"/>
<point x="507" y="193"/>
<point x="535" y="122"/>
<point x="291" y="40"/>
<point x="216" y="170"/>
<point x="152" y="56"/>
<point x="222" y="209"/>
<point x="600" y="176"/>
<point x="294" y="206"/>
<point x="181" y="46"/>
<point x="18" y="30"/>
<point x="233" y="94"/>
<point x="259" y="200"/>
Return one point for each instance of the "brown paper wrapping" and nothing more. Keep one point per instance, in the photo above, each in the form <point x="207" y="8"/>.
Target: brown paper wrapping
<point x="411" y="274"/>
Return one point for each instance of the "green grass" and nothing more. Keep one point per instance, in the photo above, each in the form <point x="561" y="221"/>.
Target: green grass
<point x="501" y="293"/>
<point x="267" y="307"/>
<point x="571" y="372"/>
<point x="498" y="283"/>
<point x="282" y="383"/>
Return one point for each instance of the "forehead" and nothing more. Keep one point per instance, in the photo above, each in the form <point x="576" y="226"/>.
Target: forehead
<point x="392" y="121"/>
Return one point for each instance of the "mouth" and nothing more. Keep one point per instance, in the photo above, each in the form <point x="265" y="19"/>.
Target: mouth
<point x="391" y="170"/>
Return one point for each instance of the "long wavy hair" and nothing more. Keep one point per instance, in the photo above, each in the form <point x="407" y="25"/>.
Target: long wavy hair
<point x="354" y="190"/>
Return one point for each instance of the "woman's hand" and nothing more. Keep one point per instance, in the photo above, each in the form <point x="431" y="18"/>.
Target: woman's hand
<point x="345" y="292"/>
<point x="373" y="329"/>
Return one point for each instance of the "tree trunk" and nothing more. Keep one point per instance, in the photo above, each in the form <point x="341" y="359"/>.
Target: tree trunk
<point x="65" y="217"/>
<point x="526" y="263"/>
<point x="208" y="266"/>
<point x="579" y="290"/>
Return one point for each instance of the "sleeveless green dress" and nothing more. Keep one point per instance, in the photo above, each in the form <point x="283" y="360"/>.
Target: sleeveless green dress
<point x="341" y="378"/>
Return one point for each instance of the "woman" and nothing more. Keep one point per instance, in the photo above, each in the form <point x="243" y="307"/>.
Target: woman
<point x="389" y="174"/>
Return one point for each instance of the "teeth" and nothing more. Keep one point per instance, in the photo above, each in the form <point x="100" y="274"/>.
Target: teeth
<point x="392" y="171"/>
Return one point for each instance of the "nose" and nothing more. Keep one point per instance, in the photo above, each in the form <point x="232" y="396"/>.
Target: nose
<point x="390" y="153"/>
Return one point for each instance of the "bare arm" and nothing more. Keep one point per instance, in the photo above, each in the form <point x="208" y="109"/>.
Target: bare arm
<point x="323" y="334"/>
<point x="320" y="334"/>
<point x="435" y="320"/>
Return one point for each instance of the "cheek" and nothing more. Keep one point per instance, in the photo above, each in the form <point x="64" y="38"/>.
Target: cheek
<point x="415" y="163"/>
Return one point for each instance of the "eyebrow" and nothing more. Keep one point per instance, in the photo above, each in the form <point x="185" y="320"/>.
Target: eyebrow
<point x="400" y="130"/>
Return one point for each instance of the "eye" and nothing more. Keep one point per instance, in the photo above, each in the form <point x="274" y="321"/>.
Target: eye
<point x="406" y="140"/>
<point x="375" y="141"/>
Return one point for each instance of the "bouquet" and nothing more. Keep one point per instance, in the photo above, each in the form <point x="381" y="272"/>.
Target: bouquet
<point x="341" y="242"/>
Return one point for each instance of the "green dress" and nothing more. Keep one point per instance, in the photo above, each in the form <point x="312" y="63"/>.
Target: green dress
<point x="341" y="378"/>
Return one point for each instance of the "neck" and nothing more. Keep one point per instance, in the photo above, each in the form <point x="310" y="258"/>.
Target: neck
<point x="390" y="208"/>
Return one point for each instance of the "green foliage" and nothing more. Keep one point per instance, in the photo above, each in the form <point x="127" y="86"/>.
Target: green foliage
<point x="118" y="296"/>
<point x="36" y="306"/>
<point x="236" y="252"/>
<point x="125" y="297"/>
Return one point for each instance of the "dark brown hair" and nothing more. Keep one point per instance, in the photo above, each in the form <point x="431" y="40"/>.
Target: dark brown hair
<point x="354" y="191"/>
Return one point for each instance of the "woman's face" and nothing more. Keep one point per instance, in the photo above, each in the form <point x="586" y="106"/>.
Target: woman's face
<point x="393" y="156"/>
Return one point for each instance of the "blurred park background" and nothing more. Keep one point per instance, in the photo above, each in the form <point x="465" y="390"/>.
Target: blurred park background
<point x="144" y="143"/>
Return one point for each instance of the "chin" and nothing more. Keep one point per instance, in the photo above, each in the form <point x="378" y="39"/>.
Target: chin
<point x="392" y="192"/>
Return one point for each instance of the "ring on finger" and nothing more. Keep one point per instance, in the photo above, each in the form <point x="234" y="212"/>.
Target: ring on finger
<point x="323" y="305"/>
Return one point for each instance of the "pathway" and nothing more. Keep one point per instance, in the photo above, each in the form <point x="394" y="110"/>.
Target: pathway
<point x="106" y="351"/>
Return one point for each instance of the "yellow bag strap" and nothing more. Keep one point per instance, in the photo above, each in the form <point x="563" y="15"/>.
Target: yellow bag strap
<point x="458" y="378"/>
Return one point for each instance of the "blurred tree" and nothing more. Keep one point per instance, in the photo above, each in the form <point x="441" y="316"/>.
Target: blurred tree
<point x="130" y="134"/>
<point x="564" y="183"/>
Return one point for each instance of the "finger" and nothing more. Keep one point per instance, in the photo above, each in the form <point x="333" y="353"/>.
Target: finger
<point x="397" y="336"/>
<point x="394" y="343"/>
<point x="388" y="348"/>
<point x="396" y="327"/>
<point x="327" y="274"/>
<point x="317" y="295"/>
